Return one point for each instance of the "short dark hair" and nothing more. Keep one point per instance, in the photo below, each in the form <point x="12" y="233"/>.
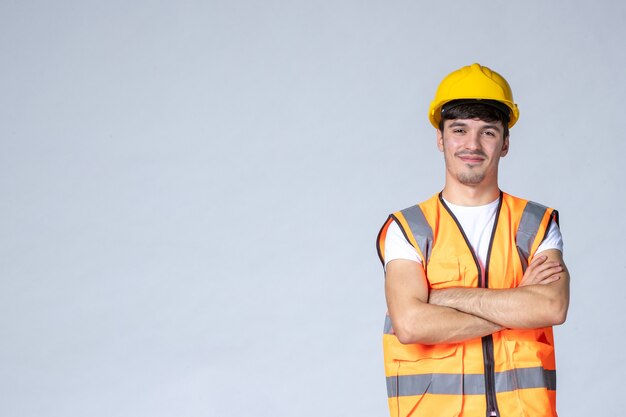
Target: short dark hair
<point x="485" y="111"/>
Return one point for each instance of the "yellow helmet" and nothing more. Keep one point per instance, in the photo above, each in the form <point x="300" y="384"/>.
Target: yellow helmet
<point x="473" y="82"/>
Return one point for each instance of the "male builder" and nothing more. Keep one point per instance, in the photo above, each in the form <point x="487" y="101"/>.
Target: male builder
<point x="474" y="277"/>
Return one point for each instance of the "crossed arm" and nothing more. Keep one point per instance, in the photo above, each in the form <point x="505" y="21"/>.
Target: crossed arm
<point x="457" y="314"/>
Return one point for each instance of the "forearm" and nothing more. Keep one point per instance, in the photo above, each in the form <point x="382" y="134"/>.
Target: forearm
<point x="531" y="306"/>
<point x="414" y="320"/>
<point x="433" y="324"/>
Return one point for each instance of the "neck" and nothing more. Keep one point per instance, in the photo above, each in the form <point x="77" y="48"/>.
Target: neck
<point x="470" y="195"/>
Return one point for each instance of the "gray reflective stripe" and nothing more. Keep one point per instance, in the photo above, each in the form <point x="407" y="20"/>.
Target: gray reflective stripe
<point x="523" y="378"/>
<point x="388" y="329"/>
<point x="469" y="384"/>
<point x="406" y="385"/>
<point x="420" y="229"/>
<point x="527" y="230"/>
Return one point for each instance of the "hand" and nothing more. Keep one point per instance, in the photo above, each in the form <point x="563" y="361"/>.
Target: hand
<point x="540" y="272"/>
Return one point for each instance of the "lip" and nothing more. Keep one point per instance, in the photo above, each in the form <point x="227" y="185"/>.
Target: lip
<point x="471" y="159"/>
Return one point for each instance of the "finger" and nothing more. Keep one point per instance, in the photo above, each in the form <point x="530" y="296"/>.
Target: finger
<point x="550" y="279"/>
<point x="544" y="273"/>
<point x="541" y="273"/>
<point x="546" y="266"/>
<point x="537" y="261"/>
<point x="538" y="265"/>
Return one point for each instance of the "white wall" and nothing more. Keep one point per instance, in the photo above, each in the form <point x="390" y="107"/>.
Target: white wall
<point x="190" y="193"/>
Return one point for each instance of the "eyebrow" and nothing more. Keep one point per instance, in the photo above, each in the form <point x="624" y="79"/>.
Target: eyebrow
<point x="457" y="123"/>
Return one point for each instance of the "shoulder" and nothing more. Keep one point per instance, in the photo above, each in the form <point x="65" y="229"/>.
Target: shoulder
<point x="412" y="224"/>
<point x="404" y="218"/>
<point x="422" y="207"/>
<point x="536" y="223"/>
<point x="417" y="213"/>
<point x="511" y="199"/>
<point x="529" y="209"/>
<point x="417" y="220"/>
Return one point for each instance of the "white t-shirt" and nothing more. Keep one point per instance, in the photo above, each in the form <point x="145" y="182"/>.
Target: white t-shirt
<point x="477" y="223"/>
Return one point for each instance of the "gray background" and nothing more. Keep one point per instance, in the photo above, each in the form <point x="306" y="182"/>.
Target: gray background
<point x="190" y="193"/>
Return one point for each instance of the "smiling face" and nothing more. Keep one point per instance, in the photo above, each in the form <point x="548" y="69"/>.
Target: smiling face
<point x="472" y="149"/>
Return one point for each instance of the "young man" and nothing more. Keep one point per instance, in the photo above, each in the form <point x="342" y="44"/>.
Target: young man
<point x="474" y="277"/>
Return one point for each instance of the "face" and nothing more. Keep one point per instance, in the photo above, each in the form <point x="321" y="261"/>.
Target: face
<point x="472" y="149"/>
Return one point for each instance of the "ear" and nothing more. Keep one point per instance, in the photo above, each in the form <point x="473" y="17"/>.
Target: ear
<point x="505" y="147"/>
<point x="440" y="140"/>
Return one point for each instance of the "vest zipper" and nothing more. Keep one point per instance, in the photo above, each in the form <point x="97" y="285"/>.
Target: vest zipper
<point x="490" y="384"/>
<point x="487" y="341"/>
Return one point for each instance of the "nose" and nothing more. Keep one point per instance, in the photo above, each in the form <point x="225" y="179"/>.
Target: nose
<point x="473" y="140"/>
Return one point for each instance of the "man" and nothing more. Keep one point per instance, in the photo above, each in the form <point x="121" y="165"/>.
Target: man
<point x="474" y="277"/>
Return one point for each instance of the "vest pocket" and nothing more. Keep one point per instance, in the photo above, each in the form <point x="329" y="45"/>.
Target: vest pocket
<point x="445" y="273"/>
<point x="529" y="348"/>
<point x="431" y="382"/>
<point x="421" y="353"/>
<point x="531" y="377"/>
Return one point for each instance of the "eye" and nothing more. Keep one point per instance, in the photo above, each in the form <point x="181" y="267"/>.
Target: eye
<point x="489" y="133"/>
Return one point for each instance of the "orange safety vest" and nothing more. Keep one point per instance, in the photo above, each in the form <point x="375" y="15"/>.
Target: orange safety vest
<point x="510" y="373"/>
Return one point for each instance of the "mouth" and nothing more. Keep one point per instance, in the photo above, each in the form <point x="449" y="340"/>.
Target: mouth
<point x="471" y="159"/>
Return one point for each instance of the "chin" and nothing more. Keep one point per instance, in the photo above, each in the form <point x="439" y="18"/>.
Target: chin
<point x="470" y="179"/>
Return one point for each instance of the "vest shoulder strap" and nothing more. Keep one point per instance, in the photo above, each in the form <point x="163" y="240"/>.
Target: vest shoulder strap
<point x="415" y="229"/>
<point x="533" y="228"/>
